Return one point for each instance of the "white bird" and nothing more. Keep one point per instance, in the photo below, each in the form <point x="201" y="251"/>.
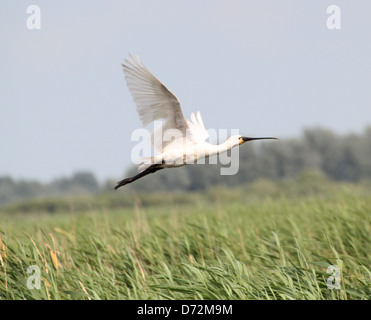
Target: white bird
<point x="178" y="141"/>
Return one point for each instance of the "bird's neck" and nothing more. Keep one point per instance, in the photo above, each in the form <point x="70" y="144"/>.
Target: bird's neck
<point x="221" y="148"/>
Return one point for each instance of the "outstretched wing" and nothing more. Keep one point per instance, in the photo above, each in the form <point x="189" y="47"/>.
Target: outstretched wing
<point x="197" y="128"/>
<point x="153" y="100"/>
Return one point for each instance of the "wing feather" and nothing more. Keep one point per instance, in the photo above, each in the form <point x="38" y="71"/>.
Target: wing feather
<point x="153" y="100"/>
<point x="197" y="128"/>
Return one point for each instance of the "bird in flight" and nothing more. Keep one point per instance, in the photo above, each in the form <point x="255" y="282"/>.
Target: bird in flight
<point x="178" y="141"/>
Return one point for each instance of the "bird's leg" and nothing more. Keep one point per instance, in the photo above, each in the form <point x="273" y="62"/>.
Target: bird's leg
<point x="152" y="169"/>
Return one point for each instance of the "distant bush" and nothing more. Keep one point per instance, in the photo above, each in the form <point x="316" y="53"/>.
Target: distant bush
<point x="79" y="183"/>
<point x="307" y="184"/>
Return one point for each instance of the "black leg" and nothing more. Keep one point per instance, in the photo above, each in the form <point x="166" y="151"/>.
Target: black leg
<point x="152" y="169"/>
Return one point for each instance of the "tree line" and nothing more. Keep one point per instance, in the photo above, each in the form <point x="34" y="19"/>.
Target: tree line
<point x="79" y="183"/>
<point x="338" y="157"/>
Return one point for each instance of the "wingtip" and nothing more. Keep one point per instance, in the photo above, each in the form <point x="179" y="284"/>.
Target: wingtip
<point x="132" y="62"/>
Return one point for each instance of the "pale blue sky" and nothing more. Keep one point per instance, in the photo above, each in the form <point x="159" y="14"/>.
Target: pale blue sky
<point x="265" y="67"/>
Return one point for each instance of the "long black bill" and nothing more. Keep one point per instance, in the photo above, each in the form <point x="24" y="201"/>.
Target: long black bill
<point x="249" y="139"/>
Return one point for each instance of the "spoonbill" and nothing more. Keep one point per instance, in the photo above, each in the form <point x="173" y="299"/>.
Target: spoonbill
<point x="156" y="102"/>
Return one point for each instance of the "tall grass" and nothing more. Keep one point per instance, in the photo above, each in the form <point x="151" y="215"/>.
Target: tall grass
<point x="277" y="248"/>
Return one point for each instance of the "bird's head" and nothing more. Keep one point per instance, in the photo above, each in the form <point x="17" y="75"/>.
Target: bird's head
<point x="237" y="140"/>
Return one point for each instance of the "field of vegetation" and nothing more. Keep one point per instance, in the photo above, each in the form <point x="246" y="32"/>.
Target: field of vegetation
<point x="265" y="240"/>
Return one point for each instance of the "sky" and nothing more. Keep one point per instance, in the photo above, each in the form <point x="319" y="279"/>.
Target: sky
<point x="266" y="67"/>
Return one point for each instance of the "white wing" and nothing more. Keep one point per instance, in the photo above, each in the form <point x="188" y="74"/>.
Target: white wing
<point x="154" y="101"/>
<point x="197" y="128"/>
